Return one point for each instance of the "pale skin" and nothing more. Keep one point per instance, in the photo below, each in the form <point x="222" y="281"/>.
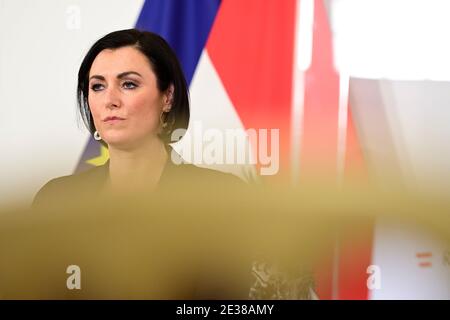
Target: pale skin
<point x="122" y="84"/>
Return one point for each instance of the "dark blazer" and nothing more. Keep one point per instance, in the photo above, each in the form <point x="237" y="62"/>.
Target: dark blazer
<point x="86" y="185"/>
<point x="61" y="197"/>
<point x="218" y="281"/>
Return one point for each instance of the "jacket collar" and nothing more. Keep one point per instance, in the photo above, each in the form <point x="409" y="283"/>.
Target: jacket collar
<point x="170" y="170"/>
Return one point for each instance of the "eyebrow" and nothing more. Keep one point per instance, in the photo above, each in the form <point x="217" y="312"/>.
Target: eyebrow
<point x="119" y="76"/>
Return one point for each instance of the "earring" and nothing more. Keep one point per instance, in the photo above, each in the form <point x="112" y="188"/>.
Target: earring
<point x="97" y="136"/>
<point x="163" y="123"/>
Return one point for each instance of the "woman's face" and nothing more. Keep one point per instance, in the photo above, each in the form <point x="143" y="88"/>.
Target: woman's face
<point x="124" y="98"/>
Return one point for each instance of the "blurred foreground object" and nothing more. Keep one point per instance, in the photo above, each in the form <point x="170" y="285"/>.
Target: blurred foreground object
<point x="202" y="243"/>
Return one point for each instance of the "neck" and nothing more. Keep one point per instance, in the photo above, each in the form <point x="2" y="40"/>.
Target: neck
<point x="137" y="169"/>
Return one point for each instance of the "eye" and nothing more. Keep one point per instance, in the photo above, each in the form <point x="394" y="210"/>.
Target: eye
<point x="129" y="85"/>
<point x="96" y="87"/>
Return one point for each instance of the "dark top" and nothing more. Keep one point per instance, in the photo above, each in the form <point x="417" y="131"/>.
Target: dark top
<point x="219" y="277"/>
<point x="86" y="185"/>
<point x="60" y="199"/>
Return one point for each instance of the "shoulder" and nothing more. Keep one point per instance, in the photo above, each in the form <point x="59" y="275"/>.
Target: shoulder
<point x="178" y="171"/>
<point x="206" y="173"/>
<point x="187" y="173"/>
<point x="69" y="187"/>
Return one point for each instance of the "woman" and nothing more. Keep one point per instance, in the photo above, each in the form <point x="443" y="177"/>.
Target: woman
<point x="132" y="95"/>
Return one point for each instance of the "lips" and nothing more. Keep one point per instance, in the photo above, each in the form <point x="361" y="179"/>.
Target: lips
<point x="114" y="118"/>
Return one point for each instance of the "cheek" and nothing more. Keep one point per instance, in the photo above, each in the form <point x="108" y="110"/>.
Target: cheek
<point x="94" y="107"/>
<point x="144" y="110"/>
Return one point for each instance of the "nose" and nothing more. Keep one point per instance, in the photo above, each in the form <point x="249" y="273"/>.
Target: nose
<point x="112" y="98"/>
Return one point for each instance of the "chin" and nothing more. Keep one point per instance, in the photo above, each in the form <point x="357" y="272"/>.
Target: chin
<point x="118" y="142"/>
<point x="127" y="141"/>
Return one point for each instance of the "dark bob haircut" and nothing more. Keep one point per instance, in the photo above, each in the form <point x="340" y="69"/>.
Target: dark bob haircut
<point x="164" y="64"/>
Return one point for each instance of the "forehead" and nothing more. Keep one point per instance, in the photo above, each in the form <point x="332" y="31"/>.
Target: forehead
<point x="110" y="62"/>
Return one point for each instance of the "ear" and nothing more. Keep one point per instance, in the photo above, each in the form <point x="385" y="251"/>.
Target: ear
<point x="168" y="98"/>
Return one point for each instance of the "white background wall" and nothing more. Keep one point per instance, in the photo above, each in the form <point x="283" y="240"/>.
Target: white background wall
<point x="42" y="44"/>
